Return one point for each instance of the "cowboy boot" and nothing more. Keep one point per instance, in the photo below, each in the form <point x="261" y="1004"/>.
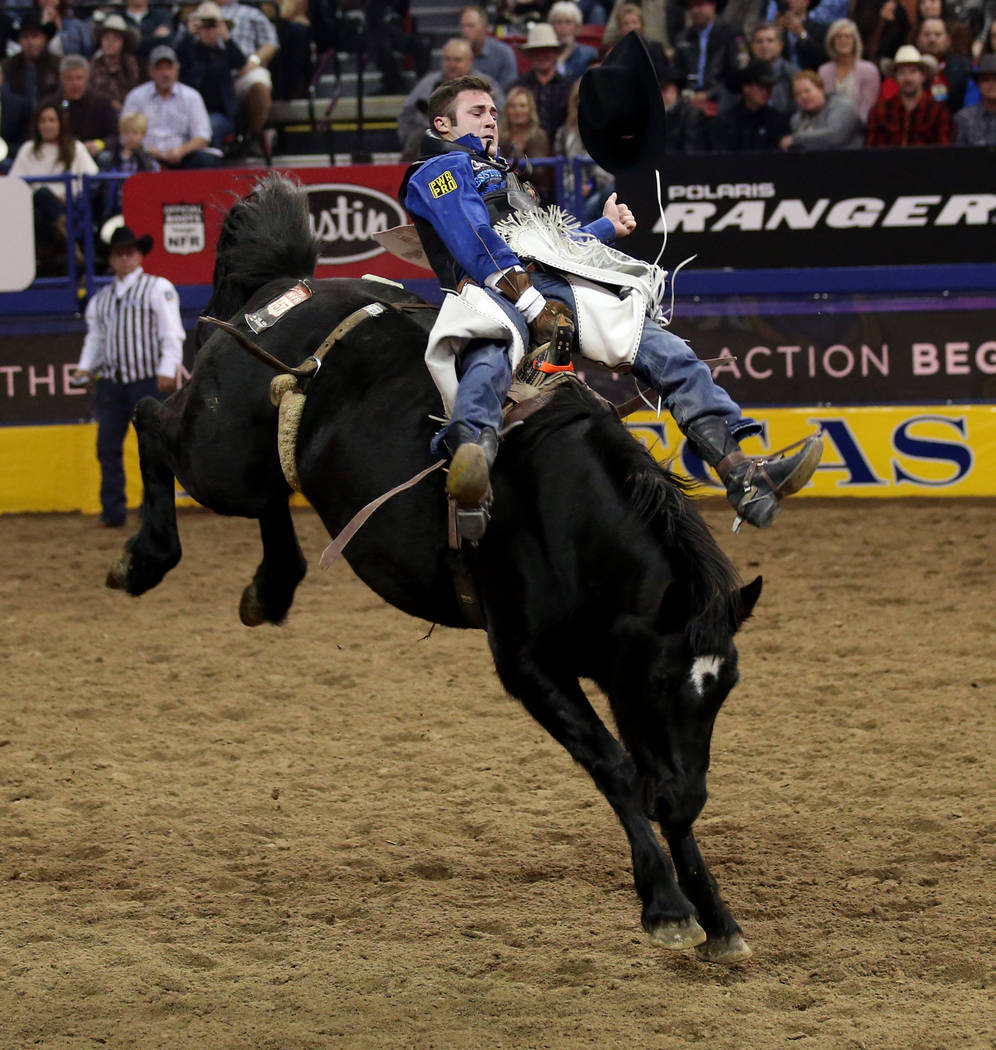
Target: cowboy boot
<point x="755" y="485"/>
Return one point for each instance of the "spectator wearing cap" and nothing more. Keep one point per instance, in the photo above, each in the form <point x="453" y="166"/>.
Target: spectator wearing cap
<point x="847" y="73"/>
<point x="707" y="54"/>
<point x="34" y="72"/>
<point x="72" y="36"/>
<point x="179" y="128"/>
<point x="685" y="131"/>
<point x="766" y="46"/>
<point x="952" y="77"/>
<point x="91" y="116"/>
<point x="550" y="89"/>
<point x="803" y="36"/>
<point x="976" y="125"/>
<point x="752" y="124"/>
<point x="913" y="117"/>
<point x="490" y="57"/>
<point x="133" y="349"/>
<point x="114" y="69"/>
<point x="209" y="61"/>
<point x="821" y="121"/>
<point x="574" y="58"/>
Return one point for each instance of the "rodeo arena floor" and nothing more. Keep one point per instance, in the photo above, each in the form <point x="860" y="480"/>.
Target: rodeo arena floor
<point x="342" y="832"/>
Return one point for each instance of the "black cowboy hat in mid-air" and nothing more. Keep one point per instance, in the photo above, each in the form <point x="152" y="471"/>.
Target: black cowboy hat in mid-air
<point x="621" y="116"/>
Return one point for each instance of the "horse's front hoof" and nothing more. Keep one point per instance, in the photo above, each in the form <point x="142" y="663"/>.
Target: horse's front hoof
<point x="727" y="951"/>
<point x="676" y="936"/>
<point x="117" y="574"/>
<point x="251" y="608"/>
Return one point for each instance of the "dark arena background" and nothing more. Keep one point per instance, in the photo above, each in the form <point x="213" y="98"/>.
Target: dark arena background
<point x="342" y="832"/>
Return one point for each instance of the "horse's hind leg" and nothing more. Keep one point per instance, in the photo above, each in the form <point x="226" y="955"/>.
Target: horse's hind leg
<point x="564" y="711"/>
<point x="725" y="941"/>
<point x="268" y="597"/>
<point x="155" y="548"/>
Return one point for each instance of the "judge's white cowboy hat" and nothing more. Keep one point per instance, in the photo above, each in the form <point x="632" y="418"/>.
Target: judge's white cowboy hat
<point x="621" y="116"/>
<point x="908" y="55"/>
<point x="540" y="35"/>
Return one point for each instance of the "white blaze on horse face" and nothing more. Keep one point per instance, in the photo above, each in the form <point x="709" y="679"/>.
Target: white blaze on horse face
<point x="703" y="667"/>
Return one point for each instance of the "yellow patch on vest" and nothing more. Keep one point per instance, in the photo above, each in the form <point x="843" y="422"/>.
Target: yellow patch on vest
<point x="444" y="184"/>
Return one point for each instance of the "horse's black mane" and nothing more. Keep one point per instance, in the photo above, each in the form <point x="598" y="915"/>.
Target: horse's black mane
<point x="659" y="497"/>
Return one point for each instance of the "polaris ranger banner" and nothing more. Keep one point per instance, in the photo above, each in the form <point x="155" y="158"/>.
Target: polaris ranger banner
<point x="874" y="207"/>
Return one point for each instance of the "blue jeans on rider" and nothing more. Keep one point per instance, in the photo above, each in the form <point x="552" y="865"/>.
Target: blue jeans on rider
<point x="664" y="362"/>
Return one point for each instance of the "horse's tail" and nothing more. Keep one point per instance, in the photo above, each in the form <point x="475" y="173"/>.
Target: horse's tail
<point x="266" y="235"/>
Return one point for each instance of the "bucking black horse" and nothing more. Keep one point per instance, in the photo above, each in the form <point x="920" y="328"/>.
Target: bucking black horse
<point x="596" y="563"/>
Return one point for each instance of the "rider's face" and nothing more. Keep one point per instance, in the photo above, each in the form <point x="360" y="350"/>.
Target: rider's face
<point x="476" y="114"/>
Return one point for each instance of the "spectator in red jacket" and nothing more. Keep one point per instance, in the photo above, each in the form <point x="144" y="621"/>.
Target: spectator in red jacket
<point x="912" y="118"/>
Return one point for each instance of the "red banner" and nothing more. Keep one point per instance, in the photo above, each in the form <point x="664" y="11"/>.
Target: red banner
<point x="183" y="211"/>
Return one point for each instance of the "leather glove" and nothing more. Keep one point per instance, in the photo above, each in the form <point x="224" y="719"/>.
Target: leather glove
<point x="543" y="328"/>
<point x="517" y="286"/>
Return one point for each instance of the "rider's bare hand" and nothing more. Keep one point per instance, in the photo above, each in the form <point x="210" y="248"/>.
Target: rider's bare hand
<point x="622" y="219"/>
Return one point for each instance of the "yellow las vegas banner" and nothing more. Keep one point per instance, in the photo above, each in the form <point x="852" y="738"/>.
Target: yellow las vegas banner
<point x="924" y="450"/>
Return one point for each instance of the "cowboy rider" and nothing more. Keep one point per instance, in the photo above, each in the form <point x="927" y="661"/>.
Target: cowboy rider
<point x="457" y="192"/>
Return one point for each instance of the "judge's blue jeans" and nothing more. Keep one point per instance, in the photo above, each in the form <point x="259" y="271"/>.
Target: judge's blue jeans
<point x="664" y="361"/>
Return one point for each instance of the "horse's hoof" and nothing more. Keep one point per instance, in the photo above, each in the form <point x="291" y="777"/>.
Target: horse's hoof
<point x="676" y="936"/>
<point x="251" y="608"/>
<point x="727" y="951"/>
<point x="117" y="574"/>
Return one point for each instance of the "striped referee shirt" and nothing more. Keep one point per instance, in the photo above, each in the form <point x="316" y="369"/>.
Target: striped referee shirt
<point x="133" y="330"/>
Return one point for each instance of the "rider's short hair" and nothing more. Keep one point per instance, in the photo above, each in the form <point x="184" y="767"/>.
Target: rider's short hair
<point x="442" y="102"/>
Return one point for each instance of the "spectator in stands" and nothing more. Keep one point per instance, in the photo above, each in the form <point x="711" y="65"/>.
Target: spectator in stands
<point x="766" y="46"/>
<point x="520" y="13"/>
<point x="91" y="116"/>
<point x="574" y="58"/>
<point x="209" y="60"/>
<point x="685" y="131"/>
<point x="976" y="125"/>
<point x="821" y="121"/>
<point x="15" y="119"/>
<point x="911" y="118"/>
<point x="950" y="82"/>
<point x="660" y="21"/>
<point x="256" y="38"/>
<point x="956" y="18"/>
<point x="550" y="88"/>
<point x="707" y="53"/>
<point x="802" y="35"/>
<point x="34" y="72"/>
<point x="179" y="128"/>
<point x="847" y="73"/>
<point x="492" y="58"/>
<point x="153" y="25"/>
<point x="291" y="68"/>
<point x="114" y="69"/>
<point x="51" y="150"/>
<point x="129" y="156"/>
<point x="594" y="12"/>
<point x="596" y="184"/>
<point x="413" y="121"/>
<point x="520" y="135"/>
<point x="387" y="38"/>
<point x="884" y="27"/>
<point x="753" y="123"/>
<point x="72" y="36"/>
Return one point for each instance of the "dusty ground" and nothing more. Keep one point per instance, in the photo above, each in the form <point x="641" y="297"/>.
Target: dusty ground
<point x="339" y="834"/>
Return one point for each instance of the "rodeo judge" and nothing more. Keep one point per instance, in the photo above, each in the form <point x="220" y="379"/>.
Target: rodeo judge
<point x="134" y="346"/>
<point x="516" y="274"/>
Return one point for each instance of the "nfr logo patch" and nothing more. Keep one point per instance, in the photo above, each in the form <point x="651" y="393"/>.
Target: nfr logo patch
<point x="442" y="185"/>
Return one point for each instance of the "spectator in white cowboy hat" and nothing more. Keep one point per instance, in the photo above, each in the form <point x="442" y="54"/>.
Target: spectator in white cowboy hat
<point x="976" y="125"/>
<point x="847" y="73"/>
<point x="114" y="69"/>
<point x="492" y="58"/>
<point x="574" y="58"/>
<point x="550" y="88"/>
<point x="911" y="118"/>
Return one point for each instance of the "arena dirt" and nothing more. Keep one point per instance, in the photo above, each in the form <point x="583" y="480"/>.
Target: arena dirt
<point x="341" y="833"/>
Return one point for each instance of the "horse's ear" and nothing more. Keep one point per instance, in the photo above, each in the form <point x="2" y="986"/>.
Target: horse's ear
<point x="747" y="599"/>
